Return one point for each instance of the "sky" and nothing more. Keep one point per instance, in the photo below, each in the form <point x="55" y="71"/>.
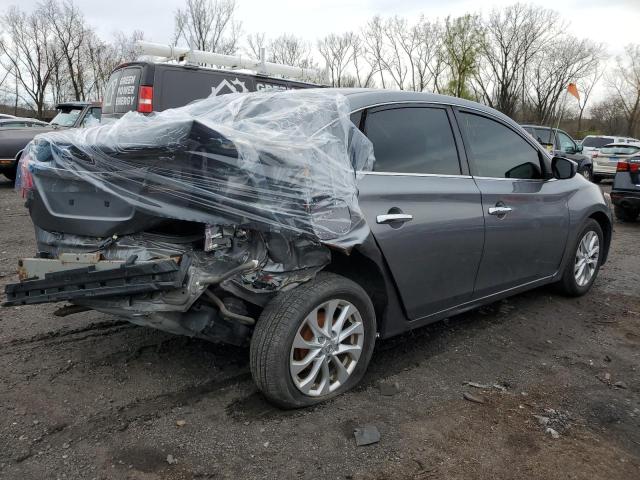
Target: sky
<point x="613" y="22"/>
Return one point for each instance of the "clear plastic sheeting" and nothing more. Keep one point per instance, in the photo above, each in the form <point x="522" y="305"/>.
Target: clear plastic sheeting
<point x="281" y="162"/>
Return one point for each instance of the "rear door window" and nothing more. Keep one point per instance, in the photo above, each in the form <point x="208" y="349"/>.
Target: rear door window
<point x="412" y="140"/>
<point x="497" y="151"/>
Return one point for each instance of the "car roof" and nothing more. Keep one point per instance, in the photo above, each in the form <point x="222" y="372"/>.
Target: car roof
<point x="77" y="104"/>
<point x="360" y="98"/>
<point x="20" y="119"/>
<point x="194" y="68"/>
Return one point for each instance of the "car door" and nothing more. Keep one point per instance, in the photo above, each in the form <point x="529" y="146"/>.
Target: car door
<point x="423" y="208"/>
<point x="526" y="215"/>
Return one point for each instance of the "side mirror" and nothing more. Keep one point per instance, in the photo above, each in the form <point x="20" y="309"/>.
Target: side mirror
<point x="563" y="168"/>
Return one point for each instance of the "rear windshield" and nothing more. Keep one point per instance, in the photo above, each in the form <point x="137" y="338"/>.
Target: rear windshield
<point x="596" y="142"/>
<point x="619" y="150"/>
<point x="121" y="94"/>
<point x="67" y="116"/>
<point x="543" y="135"/>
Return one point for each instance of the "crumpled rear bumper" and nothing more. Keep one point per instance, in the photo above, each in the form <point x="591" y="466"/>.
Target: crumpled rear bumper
<point x="54" y="280"/>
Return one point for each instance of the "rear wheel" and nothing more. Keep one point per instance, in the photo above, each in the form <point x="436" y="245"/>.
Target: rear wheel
<point x="313" y="342"/>
<point x="584" y="264"/>
<point x="626" y="214"/>
<point x="596" y="178"/>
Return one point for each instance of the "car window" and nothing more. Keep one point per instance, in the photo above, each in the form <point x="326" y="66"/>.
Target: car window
<point x="498" y="151"/>
<point x="92" y="117"/>
<point x="565" y="143"/>
<point x="619" y="150"/>
<point x="12" y="125"/>
<point x="66" y="116"/>
<point x="543" y="136"/>
<point x="596" y="142"/>
<point x="413" y="140"/>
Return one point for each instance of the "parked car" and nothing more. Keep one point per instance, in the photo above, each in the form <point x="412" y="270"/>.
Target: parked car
<point x="559" y="142"/>
<point x="284" y="233"/>
<point x="625" y="193"/>
<point x="18" y="122"/>
<point x="592" y="143"/>
<point x="4" y="116"/>
<point x="14" y="140"/>
<point x="153" y="87"/>
<point x="605" y="160"/>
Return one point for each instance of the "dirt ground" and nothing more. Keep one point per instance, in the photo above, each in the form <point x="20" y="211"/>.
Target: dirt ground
<point x="91" y="397"/>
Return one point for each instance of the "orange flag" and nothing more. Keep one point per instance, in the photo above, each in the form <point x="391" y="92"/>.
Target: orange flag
<point x="573" y="90"/>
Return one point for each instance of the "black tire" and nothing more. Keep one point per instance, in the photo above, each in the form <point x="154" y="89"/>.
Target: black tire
<point x="596" y="178"/>
<point x="625" y="214"/>
<point x="278" y="325"/>
<point x="568" y="284"/>
<point x="587" y="173"/>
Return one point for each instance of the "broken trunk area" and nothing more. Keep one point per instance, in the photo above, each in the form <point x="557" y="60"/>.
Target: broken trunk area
<point x="212" y="207"/>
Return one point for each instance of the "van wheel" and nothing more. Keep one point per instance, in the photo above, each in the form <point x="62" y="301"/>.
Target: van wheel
<point x="584" y="261"/>
<point x="313" y="342"/>
<point x="625" y="214"/>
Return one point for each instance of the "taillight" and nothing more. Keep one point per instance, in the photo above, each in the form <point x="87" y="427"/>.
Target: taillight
<point x="24" y="178"/>
<point x="145" y="99"/>
<point x="625" y="166"/>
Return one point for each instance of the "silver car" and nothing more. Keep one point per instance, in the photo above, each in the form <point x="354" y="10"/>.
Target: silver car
<point x="460" y="208"/>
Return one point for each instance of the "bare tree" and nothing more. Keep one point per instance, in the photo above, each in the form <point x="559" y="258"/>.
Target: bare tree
<point x="626" y="85"/>
<point x="585" y="87"/>
<point x="208" y="25"/>
<point x="337" y="52"/>
<point x="566" y="60"/>
<point x="513" y="37"/>
<point x="255" y="43"/>
<point x="70" y="33"/>
<point x="363" y="69"/>
<point x="374" y="46"/>
<point x="608" y="115"/>
<point x="398" y="61"/>
<point x="30" y="53"/>
<point x="290" y="50"/>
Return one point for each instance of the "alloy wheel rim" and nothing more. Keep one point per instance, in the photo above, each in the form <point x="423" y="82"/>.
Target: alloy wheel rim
<point x="586" y="260"/>
<point x="326" y="348"/>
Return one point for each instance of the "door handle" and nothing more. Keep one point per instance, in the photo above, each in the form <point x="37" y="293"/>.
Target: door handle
<point x="499" y="210"/>
<point x="394" y="217"/>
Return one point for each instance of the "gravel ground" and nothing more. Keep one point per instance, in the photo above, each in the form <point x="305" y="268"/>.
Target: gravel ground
<point x="92" y="397"/>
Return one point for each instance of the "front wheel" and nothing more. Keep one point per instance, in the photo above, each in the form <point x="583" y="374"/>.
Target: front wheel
<point x="586" y="173"/>
<point x="584" y="263"/>
<point x="313" y="342"/>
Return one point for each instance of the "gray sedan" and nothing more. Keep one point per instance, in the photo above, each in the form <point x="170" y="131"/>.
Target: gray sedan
<point x="461" y="208"/>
